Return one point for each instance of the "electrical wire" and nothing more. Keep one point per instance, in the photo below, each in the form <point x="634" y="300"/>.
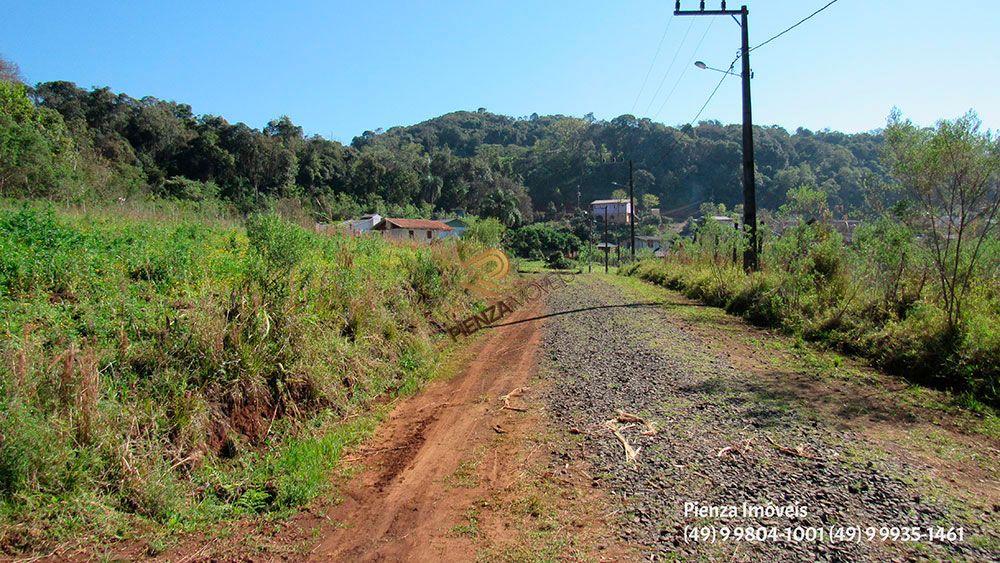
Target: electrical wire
<point x="685" y="69"/>
<point x="724" y="76"/>
<point x="797" y="24"/>
<point x="652" y="63"/>
<point x="712" y="95"/>
<point x="669" y="68"/>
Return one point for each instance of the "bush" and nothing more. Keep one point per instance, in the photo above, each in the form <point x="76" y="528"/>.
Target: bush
<point x="557" y="261"/>
<point x="176" y="372"/>
<point x="538" y="240"/>
<point x="868" y="299"/>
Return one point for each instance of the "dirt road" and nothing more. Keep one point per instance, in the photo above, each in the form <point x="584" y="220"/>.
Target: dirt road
<point x="448" y="471"/>
<point x="516" y="457"/>
<point x="402" y="507"/>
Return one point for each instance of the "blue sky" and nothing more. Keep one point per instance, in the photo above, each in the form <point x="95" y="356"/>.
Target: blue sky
<point x="338" y="68"/>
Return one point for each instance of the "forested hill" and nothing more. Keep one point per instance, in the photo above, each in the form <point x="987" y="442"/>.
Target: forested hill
<point x="557" y="156"/>
<point x="77" y="144"/>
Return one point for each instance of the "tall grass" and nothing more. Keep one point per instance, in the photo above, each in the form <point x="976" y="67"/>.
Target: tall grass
<point x="168" y="373"/>
<point x="874" y="298"/>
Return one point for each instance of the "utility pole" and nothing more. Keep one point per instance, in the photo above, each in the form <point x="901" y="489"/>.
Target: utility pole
<point x="606" y="249"/>
<point x="750" y="261"/>
<point x="631" y="202"/>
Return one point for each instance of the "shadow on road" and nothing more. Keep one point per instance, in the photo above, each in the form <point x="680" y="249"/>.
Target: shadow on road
<point x="584" y="309"/>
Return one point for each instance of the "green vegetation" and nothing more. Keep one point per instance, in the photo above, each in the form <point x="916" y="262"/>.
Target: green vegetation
<point x="540" y="241"/>
<point x="63" y="142"/>
<point x="917" y="291"/>
<point x="165" y="374"/>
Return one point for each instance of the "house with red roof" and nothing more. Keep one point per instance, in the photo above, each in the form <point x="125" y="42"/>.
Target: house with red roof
<point x="416" y="230"/>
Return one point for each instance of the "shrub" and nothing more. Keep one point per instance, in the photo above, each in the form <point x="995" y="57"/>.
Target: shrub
<point x="557" y="261"/>
<point x="867" y="299"/>
<point x="179" y="372"/>
<point x="538" y="240"/>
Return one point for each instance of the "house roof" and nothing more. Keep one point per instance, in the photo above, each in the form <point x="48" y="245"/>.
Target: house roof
<point x="604" y="201"/>
<point x="456" y="222"/>
<point x="412" y="224"/>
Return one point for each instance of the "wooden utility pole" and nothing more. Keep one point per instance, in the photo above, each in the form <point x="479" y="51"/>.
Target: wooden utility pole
<point x="631" y="202"/>
<point x="750" y="260"/>
<point x="606" y="249"/>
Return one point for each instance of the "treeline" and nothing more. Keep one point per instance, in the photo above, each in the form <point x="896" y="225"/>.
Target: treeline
<point x="64" y="142"/>
<point x="561" y="159"/>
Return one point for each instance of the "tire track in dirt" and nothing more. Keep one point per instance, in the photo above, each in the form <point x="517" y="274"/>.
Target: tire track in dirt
<point x="402" y="507"/>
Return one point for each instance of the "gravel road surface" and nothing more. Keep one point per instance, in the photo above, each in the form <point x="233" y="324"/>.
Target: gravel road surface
<point x="723" y="438"/>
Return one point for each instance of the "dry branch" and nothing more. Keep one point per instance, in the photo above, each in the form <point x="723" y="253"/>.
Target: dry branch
<point x="630" y="453"/>
<point x="506" y="399"/>
<point x="629" y="417"/>
<point x="799" y="451"/>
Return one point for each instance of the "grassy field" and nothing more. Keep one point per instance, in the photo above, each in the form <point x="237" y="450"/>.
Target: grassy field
<point x="158" y="376"/>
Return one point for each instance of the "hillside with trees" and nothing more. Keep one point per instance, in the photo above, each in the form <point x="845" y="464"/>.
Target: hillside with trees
<point x="72" y="144"/>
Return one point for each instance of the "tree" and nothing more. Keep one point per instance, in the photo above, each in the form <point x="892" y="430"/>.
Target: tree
<point x="503" y="206"/>
<point x="36" y="150"/>
<point x="488" y="232"/>
<point x="953" y="171"/>
<point x="808" y="203"/>
<point x="650" y="201"/>
<point x="540" y="240"/>
<point x="619" y="194"/>
<point x="9" y="71"/>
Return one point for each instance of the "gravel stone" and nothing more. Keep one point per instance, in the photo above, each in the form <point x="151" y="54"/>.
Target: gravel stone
<point x="607" y="352"/>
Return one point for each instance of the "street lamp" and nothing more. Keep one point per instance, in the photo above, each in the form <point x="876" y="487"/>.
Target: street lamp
<point x="704" y="66"/>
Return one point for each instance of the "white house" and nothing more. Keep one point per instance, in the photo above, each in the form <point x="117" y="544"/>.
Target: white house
<point x="365" y="224"/>
<point x="616" y="210"/>
<point x="417" y="230"/>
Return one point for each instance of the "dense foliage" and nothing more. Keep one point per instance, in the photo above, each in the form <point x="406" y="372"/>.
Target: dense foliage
<point x="65" y="142"/>
<point x="539" y="241"/>
<point x="176" y="371"/>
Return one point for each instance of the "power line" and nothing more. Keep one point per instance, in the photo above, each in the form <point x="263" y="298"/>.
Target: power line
<point x="685" y="69"/>
<point x="669" y="68"/>
<point x="800" y="22"/>
<point x="712" y="95"/>
<point x="653" y="62"/>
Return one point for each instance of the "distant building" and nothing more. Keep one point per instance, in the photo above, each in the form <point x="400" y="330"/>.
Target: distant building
<point x="417" y="230"/>
<point x="458" y="226"/>
<point x="365" y="224"/>
<point x="725" y="220"/>
<point x="648" y="243"/>
<point x="616" y="210"/>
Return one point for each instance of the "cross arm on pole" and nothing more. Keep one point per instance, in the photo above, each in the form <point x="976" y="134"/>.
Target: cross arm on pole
<point x="703" y="12"/>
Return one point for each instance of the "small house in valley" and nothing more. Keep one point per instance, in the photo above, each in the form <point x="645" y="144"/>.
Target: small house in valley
<point x="417" y="230"/>
<point x="458" y="226"/>
<point x="615" y="210"/>
<point x="648" y="243"/>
